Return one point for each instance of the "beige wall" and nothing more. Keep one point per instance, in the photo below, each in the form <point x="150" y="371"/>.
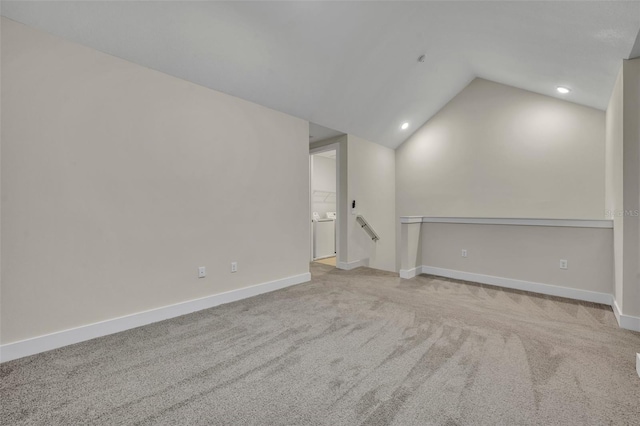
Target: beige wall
<point x="623" y="184"/>
<point x="498" y="151"/>
<point x="528" y="253"/>
<point x="371" y="170"/>
<point x="1" y="22"/>
<point x="119" y="181"/>
<point x="631" y="143"/>
<point x="614" y="182"/>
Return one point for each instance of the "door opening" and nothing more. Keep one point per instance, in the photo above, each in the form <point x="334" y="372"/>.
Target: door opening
<point x="323" y="169"/>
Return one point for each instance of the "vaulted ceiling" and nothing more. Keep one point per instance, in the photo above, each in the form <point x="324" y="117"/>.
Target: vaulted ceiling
<point x="352" y="66"/>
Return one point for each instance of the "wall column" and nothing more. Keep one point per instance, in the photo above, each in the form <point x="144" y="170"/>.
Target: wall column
<point x="410" y="246"/>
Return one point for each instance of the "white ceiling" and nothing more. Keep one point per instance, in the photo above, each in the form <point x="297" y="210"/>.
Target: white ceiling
<point x="635" y="53"/>
<point x="352" y="66"/>
<point x="319" y="133"/>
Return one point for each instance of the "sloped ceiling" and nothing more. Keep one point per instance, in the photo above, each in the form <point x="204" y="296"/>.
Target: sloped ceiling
<point x="318" y="133"/>
<point x="635" y="52"/>
<point x="352" y="66"/>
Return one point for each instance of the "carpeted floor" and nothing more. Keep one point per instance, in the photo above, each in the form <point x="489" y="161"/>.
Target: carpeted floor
<point x="350" y="347"/>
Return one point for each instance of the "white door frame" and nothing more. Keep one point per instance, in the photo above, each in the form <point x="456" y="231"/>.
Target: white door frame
<point x="332" y="147"/>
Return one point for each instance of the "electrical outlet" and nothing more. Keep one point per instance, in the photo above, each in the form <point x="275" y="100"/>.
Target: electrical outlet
<point x="564" y="264"/>
<point x="202" y="272"/>
<point x="234" y="266"/>
<point x="464" y="253"/>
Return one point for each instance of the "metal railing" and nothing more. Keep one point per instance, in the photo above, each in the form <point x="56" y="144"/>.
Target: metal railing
<point x="367" y="228"/>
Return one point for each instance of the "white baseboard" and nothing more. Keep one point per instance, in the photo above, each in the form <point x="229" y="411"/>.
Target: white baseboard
<point x="616" y="310"/>
<point x="410" y="273"/>
<point x="627" y="322"/>
<point x="91" y="331"/>
<point x="551" y="290"/>
<point x="347" y="266"/>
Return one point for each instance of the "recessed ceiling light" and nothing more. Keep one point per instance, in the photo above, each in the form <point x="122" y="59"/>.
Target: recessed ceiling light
<point x="563" y="90"/>
<point x="404" y="126"/>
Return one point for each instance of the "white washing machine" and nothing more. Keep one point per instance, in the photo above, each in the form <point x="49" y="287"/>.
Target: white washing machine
<point x="324" y="237"/>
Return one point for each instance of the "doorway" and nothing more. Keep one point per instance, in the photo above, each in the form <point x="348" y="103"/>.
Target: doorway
<point x="323" y="178"/>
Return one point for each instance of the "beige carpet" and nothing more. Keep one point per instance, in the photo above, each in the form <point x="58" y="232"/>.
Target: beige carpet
<point x="351" y="347"/>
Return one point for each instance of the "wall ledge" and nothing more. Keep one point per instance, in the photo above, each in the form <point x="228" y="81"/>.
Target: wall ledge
<point x="570" y="223"/>
<point x="71" y="336"/>
<point x="411" y="219"/>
